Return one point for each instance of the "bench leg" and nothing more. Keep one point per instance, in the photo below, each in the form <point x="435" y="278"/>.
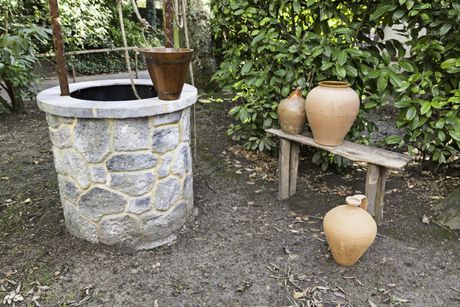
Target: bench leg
<point x="283" y="169"/>
<point x="375" y="190"/>
<point x="293" y="168"/>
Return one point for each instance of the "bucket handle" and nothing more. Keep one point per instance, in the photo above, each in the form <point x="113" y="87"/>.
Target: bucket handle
<point x="358" y="200"/>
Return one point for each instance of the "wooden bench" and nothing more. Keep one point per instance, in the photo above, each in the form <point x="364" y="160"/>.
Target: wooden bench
<point x="378" y="161"/>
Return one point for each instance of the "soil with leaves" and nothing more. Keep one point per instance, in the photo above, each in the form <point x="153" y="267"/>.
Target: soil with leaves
<point x="243" y="247"/>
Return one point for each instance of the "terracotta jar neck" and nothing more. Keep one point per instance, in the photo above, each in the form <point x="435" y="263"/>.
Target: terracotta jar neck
<point x="334" y="84"/>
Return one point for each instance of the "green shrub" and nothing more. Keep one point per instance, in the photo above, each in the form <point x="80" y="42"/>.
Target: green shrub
<point x="270" y="47"/>
<point x="18" y="62"/>
<point x="102" y="63"/>
<point x="429" y="96"/>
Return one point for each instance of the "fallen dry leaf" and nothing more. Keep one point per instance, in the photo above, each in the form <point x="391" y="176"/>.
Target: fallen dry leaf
<point x="425" y="220"/>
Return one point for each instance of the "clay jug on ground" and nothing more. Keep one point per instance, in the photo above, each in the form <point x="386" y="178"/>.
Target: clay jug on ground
<point x="331" y="109"/>
<point x="350" y="230"/>
<point x="291" y="113"/>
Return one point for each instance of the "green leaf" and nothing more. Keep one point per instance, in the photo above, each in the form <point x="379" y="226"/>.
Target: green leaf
<point x="257" y="39"/>
<point x="382" y="82"/>
<point x="351" y="71"/>
<point x="398" y="14"/>
<point x="404" y="86"/>
<point x="440" y="123"/>
<point x="296" y="5"/>
<point x="426" y="106"/>
<point x="448" y="63"/>
<point x="234" y="110"/>
<point x="406" y="65"/>
<point x="382" y="9"/>
<point x="354" y="52"/>
<point x="341" y="71"/>
<point x="326" y="65"/>
<point x="293" y="49"/>
<point x="374" y="74"/>
<point x="455" y="135"/>
<point x="316" y="157"/>
<point x="393" y="139"/>
<point x="264" y="21"/>
<point x="409" y="4"/>
<point x="441" y="136"/>
<point x="410" y="113"/>
<point x="445" y="28"/>
<point x="244" y="115"/>
<point x="342" y="57"/>
<point x="246" y="68"/>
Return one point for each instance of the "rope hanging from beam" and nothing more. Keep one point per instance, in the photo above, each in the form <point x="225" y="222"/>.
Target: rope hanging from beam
<point x="125" y="44"/>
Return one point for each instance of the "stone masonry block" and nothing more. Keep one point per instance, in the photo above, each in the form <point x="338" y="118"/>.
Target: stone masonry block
<point x="166" y="193"/>
<point x="68" y="189"/>
<point x="92" y="138"/>
<point x="61" y="137"/>
<point x="118" y="230"/>
<point x="139" y="205"/>
<point x="68" y="162"/>
<point x="99" y="174"/>
<point x="78" y="225"/>
<point x="165" y="138"/>
<point x="168" y="118"/>
<point x="182" y="163"/>
<point x="132" y="183"/>
<point x="163" y="167"/>
<point x="159" y="226"/>
<point x="131" y="162"/>
<point x="131" y="134"/>
<point x="185" y="125"/>
<point x="98" y="202"/>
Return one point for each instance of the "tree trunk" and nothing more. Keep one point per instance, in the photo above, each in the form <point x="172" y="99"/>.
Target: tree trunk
<point x="151" y="13"/>
<point x="16" y="99"/>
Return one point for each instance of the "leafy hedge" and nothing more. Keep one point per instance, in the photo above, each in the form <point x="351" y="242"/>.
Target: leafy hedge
<point x="270" y="47"/>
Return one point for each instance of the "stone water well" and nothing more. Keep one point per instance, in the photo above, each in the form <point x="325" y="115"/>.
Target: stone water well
<point x="124" y="165"/>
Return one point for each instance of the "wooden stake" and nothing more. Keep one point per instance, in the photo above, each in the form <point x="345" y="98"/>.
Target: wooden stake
<point x="283" y="169"/>
<point x="293" y="168"/>
<point x="168" y="12"/>
<point x="59" y="48"/>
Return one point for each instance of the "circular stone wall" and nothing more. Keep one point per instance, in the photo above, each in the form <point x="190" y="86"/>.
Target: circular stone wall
<point x="124" y="167"/>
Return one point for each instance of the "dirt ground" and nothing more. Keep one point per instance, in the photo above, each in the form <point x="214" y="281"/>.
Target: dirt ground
<point x="244" y="248"/>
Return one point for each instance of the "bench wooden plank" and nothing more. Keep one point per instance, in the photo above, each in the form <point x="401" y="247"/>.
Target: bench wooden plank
<point x="352" y="151"/>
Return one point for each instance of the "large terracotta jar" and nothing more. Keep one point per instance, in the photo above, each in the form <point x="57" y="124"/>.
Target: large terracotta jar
<point x="291" y="113"/>
<point x="331" y="109"/>
<point x="349" y="230"/>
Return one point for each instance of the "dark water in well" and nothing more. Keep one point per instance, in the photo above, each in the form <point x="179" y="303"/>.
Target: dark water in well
<point x="114" y="93"/>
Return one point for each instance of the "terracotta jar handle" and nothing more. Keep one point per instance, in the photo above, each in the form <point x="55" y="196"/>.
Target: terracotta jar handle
<point x="358" y="200"/>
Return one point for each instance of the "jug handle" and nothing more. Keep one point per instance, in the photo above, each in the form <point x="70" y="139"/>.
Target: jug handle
<point x="358" y="200"/>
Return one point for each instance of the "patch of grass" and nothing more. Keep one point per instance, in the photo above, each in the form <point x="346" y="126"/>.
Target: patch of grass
<point x="39" y="272"/>
<point x="18" y="214"/>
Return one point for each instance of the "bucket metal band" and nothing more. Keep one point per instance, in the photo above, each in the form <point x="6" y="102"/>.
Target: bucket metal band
<point x="154" y="61"/>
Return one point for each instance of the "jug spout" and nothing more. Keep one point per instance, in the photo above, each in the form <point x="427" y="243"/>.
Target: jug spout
<point x="357" y="200"/>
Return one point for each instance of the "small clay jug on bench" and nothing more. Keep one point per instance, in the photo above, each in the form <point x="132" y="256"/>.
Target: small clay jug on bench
<point x="350" y="230"/>
<point x="291" y="113"/>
